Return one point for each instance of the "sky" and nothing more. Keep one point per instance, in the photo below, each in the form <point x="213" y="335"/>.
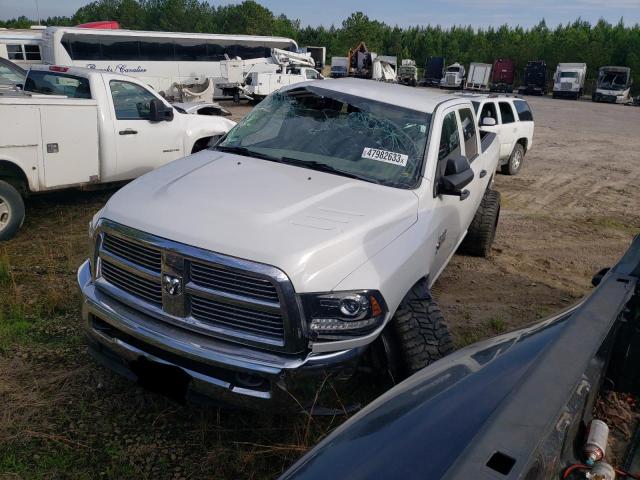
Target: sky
<point x="478" y="13"/>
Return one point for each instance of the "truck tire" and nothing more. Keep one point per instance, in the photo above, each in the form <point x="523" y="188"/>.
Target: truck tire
<point x="482" y="231"/>
<point x="11" y="211"/>
<point x="515" y="162"/>
<point x="422" y="334"/>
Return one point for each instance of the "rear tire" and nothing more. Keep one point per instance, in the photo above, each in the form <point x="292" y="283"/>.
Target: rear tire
<point x="422" y="334"/>
<point x="513" y="166"/>
<point x="482" y="231"/>
<point x="11" y="211"/>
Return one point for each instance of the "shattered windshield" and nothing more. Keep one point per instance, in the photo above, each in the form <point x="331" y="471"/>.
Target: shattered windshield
<point x="334" y="132"/>
<point x="613" y="81"/>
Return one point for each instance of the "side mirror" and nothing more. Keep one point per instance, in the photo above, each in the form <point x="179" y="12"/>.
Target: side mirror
<point x="597" y="278"/>
<point x="457" y="175"/>
<point x="488" y="122"/>
<point x="19" y="86"/>
<point x="159" y="112"/>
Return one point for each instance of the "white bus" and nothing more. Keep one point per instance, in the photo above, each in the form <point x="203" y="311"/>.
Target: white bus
<point x="160" y="59"/>
<point x="21" y="46"/>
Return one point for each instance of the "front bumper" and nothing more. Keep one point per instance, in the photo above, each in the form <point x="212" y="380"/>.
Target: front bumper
<point x="133" y="343"/>
<point x="603" y="97"/>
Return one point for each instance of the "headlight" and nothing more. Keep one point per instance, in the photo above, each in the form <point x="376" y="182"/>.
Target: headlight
<point x="334" y="315"/>
<point x="93" y="225"/>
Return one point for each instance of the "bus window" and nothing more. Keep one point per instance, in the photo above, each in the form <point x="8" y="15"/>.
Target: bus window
<point x="157" y="50"/>
<point x="119" y="49"/>
<point x="190" y="50"/>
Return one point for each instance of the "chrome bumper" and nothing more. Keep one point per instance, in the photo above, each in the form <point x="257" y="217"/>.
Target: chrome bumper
<point x="121" y="337"/>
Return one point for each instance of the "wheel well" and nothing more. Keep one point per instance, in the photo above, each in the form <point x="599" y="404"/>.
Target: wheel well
<point x="201" y="144"/>
<point x="523" y="142"/>
<point x="12" y="174"/>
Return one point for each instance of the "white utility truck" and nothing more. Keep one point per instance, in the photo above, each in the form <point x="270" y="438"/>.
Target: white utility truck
<point x="568" y="81"/>
<point x="454" y="76"/>
<point x="305" y="242"/>
<point x="511" y="119"/>
<point x="282" y="68"/>
<point x="479" y="77"/>
<point x="77" y="127"/>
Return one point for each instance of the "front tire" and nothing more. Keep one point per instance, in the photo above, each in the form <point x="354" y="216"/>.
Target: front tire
<point x="11" y="211"/>
<point x="513" y="166"/>
<point x="422" y="334"/>
<point x="482" y="231"/>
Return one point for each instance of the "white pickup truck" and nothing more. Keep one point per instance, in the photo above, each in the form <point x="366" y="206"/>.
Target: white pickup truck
<point x="306" y="241"/>
<point x="76" y="126"/>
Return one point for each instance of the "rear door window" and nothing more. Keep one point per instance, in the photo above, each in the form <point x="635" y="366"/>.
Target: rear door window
<point x="506" y="112"/>
<point x="53" y="83"/>
<point x="524" y="111"/>
<point x="469" y="133"/>
<point x="489" y="111"/>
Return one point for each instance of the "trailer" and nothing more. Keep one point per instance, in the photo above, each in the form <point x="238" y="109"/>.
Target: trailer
<point x="319" y="55"/>
<point x="479" y="76"/>
<point x="503" y="74"/>
<point x="535" y="78"/>
<point x="433" y="72"/>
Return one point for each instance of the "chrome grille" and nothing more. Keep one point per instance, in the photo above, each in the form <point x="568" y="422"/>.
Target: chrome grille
<point x="239" y="318"/>
<point x="131" y="283"/>
<point x="565" y="86"/>
<point x="220" y="296"/>
<point x="133" y="252"/>
<point x="229" y="281"/>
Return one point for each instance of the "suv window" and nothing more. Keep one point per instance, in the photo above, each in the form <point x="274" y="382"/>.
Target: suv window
<point x="524" y="111"/>
<point x="52" y="83"/>
<point x="488" y="110"/>
<point x="506" y="112"/>
<point x="130" y="101"/>
<point x="469" y="133"/>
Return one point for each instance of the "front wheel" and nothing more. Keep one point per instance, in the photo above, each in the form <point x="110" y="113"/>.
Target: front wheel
<point x="515" y="162"/>
<point x="422" y="334"/>
<point x="482" y="231"/>
<point x="11" y="211"/>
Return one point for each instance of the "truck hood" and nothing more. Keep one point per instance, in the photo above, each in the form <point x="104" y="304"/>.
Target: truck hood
<point x="316" y="227"/>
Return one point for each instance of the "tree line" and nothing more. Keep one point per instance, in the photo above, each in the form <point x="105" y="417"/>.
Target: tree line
<point x="600" y="44"/>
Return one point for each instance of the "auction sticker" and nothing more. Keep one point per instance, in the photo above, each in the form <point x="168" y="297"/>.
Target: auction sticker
<point x="385" y="156"/>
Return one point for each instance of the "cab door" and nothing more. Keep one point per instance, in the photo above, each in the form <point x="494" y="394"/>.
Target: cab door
<point x="451" y="215"/>
<point x="141" y="145"/>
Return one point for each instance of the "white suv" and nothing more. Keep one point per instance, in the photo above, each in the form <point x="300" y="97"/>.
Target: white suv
<point x="511" y="119"/>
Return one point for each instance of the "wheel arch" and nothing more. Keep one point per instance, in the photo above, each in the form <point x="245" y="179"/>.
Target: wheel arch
<point x="13" y="174"/>
<point x="524" y="142"/>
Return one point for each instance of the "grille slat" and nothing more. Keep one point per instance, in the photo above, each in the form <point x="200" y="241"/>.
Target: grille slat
<point x="235" y="317"/>
<point x="240" y="312"/>
<point x="140" y="255"/>
<point x="229" y="281"/>
<point x="131" y="283"/>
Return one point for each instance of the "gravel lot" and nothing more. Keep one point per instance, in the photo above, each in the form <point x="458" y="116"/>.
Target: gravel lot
<point x="573" y="209"/>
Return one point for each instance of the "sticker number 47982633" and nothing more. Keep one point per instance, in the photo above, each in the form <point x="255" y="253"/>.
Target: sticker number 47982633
<point x="385" y="156"/>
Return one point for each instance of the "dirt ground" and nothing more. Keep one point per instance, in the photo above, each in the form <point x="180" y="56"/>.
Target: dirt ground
<point x="572" y="210"/>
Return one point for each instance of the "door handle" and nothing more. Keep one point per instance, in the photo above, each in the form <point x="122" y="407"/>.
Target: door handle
<point x="483" y="173"/>
<point x="128" y="131"/>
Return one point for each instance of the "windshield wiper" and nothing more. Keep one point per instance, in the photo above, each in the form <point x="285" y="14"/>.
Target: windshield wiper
<point x="323" y="167"/>
<point x="246" y="152"/>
